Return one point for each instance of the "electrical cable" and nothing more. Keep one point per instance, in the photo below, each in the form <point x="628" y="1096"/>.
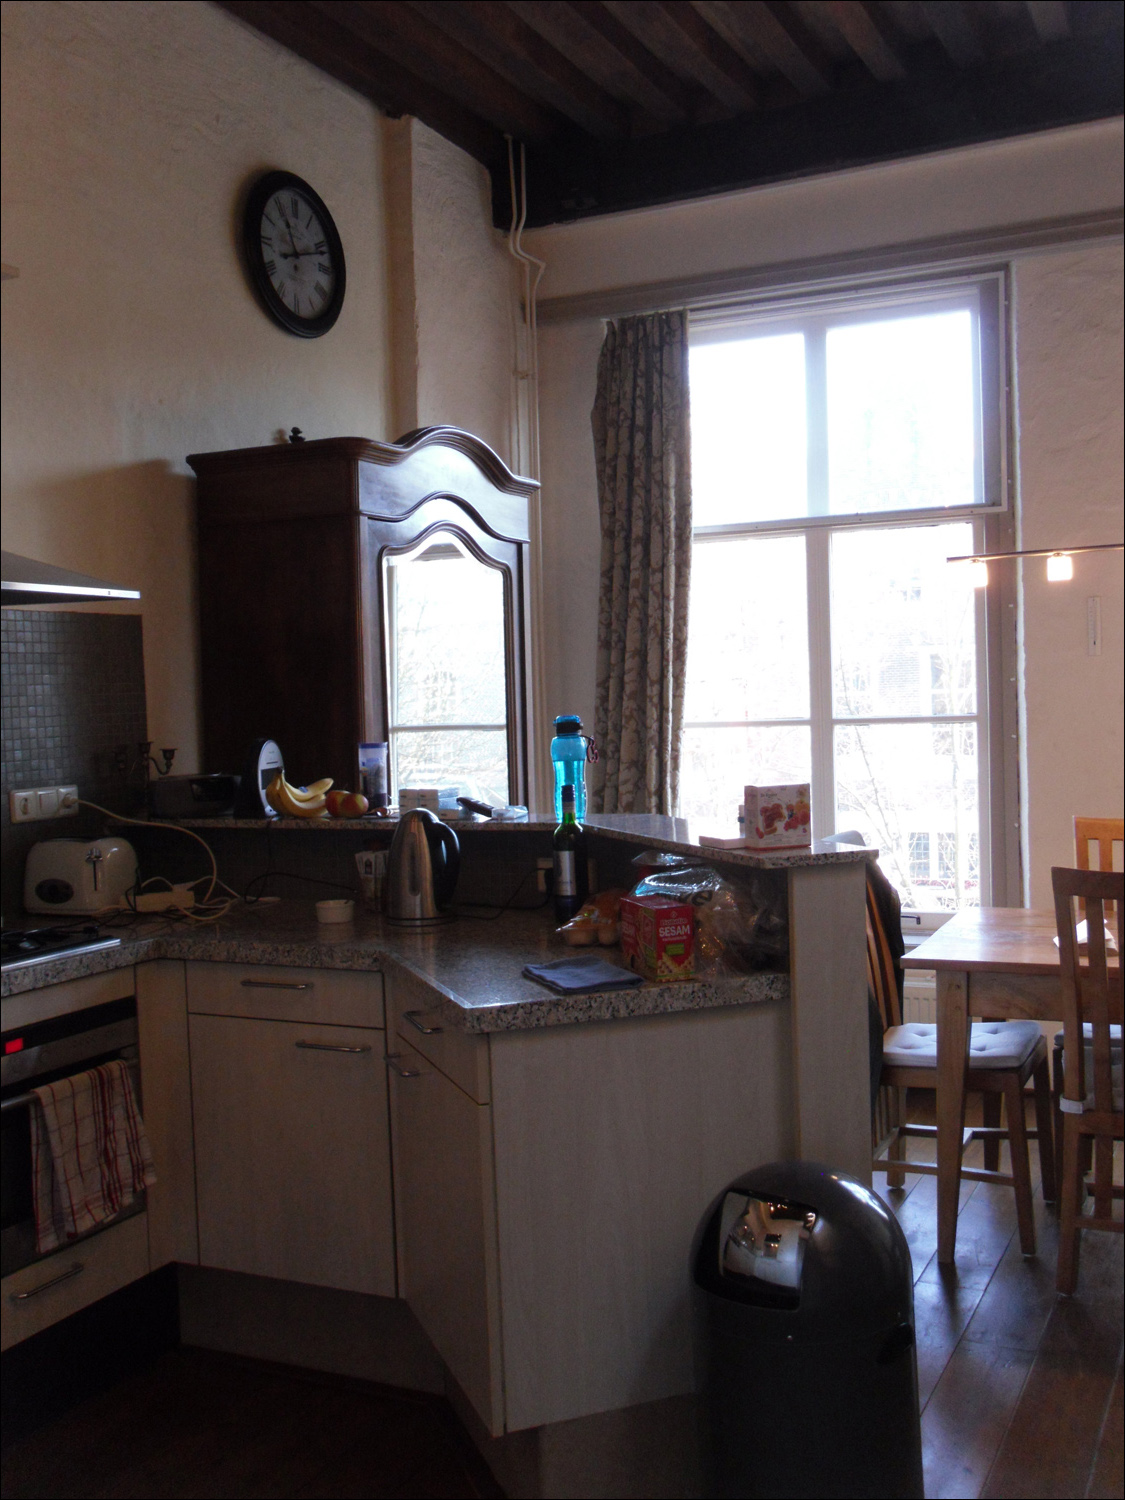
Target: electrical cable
<point x="206" y="908"/>
<point x="496" y="912"/>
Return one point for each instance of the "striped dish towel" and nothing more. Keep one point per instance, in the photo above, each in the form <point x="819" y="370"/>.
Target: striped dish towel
<point x="89" y="1152"/>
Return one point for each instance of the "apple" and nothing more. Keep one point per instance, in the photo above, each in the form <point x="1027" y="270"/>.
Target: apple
<point x="341" y="804"/>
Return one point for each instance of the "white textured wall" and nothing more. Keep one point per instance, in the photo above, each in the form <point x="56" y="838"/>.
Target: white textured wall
<point x="568" y="363"/>
<point x="456" y="362"/>
<point x="131" y="337"/>
<point x="1069" y="371"/>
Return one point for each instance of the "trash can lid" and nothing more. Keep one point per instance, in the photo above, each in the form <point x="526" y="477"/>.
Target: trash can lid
<point x="798" y="1238"/>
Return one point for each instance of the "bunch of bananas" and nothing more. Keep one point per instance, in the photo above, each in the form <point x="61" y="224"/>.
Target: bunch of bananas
<point x="299" y="801"/>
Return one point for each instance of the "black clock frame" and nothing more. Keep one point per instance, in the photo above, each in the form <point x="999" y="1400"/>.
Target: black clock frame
<point x="259" y="195"/>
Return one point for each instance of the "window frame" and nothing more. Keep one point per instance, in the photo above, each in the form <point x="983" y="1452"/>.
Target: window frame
<point x="993" y="530"/>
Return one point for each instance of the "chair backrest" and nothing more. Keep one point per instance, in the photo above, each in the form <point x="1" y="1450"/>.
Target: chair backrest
<point x="1091" y="991"/>
<point x="1104" y="832"/>
<point x="883" y="973"/>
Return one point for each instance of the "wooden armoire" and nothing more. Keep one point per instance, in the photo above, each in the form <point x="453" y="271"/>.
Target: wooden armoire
<point x="291" y="608"/>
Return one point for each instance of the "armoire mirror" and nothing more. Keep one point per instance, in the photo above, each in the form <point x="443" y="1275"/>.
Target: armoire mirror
<point x="445" y="614"/>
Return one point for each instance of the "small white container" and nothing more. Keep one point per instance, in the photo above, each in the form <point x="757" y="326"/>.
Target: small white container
<point x="335" y="911"/>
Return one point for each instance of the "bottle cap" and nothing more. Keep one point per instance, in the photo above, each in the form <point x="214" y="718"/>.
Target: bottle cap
<point x="568" y="724"/>
<point x="567" y="792"/>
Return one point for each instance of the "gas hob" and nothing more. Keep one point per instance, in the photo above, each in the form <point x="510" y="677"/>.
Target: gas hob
<point x="35" y="945"/>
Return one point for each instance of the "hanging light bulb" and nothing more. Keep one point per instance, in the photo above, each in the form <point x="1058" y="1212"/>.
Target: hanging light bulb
<point x="1060" y="567"/>
<point x="978" y="572"/>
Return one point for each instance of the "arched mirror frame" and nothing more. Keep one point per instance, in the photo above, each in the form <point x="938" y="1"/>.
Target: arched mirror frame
<point x="492" y="552"/>
<point x="490" y="520"/>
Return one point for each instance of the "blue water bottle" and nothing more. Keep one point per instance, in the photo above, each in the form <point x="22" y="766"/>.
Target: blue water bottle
<point x="569" y="750"/>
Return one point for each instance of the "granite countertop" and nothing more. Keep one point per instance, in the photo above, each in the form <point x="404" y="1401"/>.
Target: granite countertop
<point x="474" y="964"/>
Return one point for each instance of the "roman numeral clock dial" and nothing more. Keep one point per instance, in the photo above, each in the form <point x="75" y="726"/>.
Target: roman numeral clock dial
<point x="293" y="254"/>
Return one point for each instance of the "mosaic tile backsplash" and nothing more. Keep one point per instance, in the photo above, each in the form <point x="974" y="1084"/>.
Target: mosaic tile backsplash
<point x="72" y="689"/>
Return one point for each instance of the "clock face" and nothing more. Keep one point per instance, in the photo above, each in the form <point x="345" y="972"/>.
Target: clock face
<point x="294" y="254"/>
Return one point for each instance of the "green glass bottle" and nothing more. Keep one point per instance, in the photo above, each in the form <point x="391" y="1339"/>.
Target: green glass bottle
<point x="569" y="844"/>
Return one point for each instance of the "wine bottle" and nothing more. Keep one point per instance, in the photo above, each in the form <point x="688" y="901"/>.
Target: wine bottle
<point x="569" y="845"/>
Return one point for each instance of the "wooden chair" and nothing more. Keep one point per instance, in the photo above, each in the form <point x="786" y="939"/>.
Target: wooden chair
<point x="1105" y="833"/>
<point x="1004" y="1055"/>
<point x="1092" y="1058"/>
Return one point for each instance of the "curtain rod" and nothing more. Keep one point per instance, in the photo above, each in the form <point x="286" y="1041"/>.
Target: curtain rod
<point x="944" y="252"/>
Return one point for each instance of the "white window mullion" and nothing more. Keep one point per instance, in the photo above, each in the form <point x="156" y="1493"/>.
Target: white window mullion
<point x="817" y="543"/>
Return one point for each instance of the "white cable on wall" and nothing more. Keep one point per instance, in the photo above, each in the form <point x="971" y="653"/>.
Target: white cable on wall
<point x="527" y="383"/>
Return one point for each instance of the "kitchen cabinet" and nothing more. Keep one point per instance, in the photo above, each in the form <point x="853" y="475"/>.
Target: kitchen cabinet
<point x="293" y="545"/>
<point x="446" y="1222"/>
<point x="568" y="1166"/>
<point x="292" y="1148"/>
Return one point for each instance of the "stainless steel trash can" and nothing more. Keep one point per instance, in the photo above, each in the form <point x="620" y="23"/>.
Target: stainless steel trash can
<point x="803" y="1305"/>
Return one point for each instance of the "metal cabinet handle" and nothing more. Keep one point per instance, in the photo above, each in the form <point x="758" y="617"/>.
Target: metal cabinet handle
<point x="272" y="984"/>
<point x="328" y="1047"/>
<point x="396" y="1067"/>
<point x="413" y="1015"/>
<point x="45" y="1286"/>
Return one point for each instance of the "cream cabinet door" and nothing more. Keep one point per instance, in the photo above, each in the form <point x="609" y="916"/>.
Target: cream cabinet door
<point x="446" y="1219"/>
<point x="292" y="1151"/>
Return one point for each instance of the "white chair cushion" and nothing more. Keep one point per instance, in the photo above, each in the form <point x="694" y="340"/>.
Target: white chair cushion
<point x="993" y="1044"/>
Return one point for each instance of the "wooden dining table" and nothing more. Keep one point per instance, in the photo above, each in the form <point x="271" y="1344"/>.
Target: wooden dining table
<point x="994" y="962"/>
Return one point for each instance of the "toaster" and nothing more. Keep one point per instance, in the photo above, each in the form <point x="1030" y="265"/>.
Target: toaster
<point x="78" y="876"/>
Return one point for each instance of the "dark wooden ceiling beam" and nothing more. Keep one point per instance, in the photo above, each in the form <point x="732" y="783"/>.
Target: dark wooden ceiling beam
<point x="954" y="26"/>
<point x="410" y="41"/>
<point x="859" y="25"/>
<point x="497" y="36"/>
<point x="394" y="89"/>
<point x="679" y="36"/>
<point x="1049" y="18"/>
<point x="776" y="33"/>
<point x="599" y="45"/>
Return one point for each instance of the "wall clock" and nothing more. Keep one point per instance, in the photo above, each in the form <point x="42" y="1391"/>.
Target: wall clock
<point x="294" y="255"/>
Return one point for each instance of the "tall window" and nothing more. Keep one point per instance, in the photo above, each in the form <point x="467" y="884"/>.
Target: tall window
<point x="842" y="449"/>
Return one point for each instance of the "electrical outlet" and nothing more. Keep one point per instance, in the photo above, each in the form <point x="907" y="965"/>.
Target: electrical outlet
<point x="543" y="872"/>
<point x="180" y="897"/>
<point x="37" y="803"/>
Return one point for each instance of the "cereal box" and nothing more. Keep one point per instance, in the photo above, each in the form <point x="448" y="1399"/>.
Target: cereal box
<point x="658" y="936"/>
<point x="778" y="817"/>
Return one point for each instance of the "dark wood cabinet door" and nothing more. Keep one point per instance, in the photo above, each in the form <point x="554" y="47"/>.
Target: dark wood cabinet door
<point x="291" y="539"/>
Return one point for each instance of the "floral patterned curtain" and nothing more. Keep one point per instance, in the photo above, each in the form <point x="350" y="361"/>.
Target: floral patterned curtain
<point x="641" y="445"/>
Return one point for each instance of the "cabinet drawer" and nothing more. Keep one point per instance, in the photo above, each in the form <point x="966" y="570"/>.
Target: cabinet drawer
<point x="269" y="992"/>
<point x="71" y="995"/>
<point x="107" y="1262"/>
<point x="419" y="1020"/>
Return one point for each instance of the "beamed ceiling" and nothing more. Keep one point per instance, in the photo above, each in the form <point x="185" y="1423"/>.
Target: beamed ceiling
<point x="626" y="103"/>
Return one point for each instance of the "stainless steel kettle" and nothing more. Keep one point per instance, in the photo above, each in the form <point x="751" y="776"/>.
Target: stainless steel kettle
<point x="422" y="868"/>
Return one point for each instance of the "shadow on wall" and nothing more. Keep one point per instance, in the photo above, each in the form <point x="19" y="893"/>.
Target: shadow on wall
<point x="134" y="525"/>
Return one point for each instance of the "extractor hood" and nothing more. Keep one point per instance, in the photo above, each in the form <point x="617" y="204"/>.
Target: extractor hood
<point x="28" y="582"/>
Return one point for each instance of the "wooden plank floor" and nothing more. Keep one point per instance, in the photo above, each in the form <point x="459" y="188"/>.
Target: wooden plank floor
<point x="1021" y="1390"/>
<point x="1021" y="1394"/>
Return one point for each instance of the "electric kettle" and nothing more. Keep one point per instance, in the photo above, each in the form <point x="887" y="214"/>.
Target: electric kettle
<point x="422" y="869"/>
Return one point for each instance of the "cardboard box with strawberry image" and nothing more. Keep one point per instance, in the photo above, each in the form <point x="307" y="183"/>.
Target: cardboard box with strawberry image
<point x="778" y="817"/>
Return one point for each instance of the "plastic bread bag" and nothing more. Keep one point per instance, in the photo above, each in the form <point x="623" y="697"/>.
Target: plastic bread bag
<point x="741" y="921"/>
<point x="597" y="921"/>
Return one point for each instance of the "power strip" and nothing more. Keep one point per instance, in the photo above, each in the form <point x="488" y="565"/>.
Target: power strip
<point x="179" y="898"/>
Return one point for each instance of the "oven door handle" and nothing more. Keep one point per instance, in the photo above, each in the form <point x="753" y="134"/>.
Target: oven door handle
<point x="20" y="1101"/>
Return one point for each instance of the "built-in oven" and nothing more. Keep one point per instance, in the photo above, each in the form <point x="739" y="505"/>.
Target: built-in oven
<point x="42" y="1053"/>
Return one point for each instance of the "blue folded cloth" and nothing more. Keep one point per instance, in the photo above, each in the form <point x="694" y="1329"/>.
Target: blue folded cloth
<point x="579" y="976"/>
